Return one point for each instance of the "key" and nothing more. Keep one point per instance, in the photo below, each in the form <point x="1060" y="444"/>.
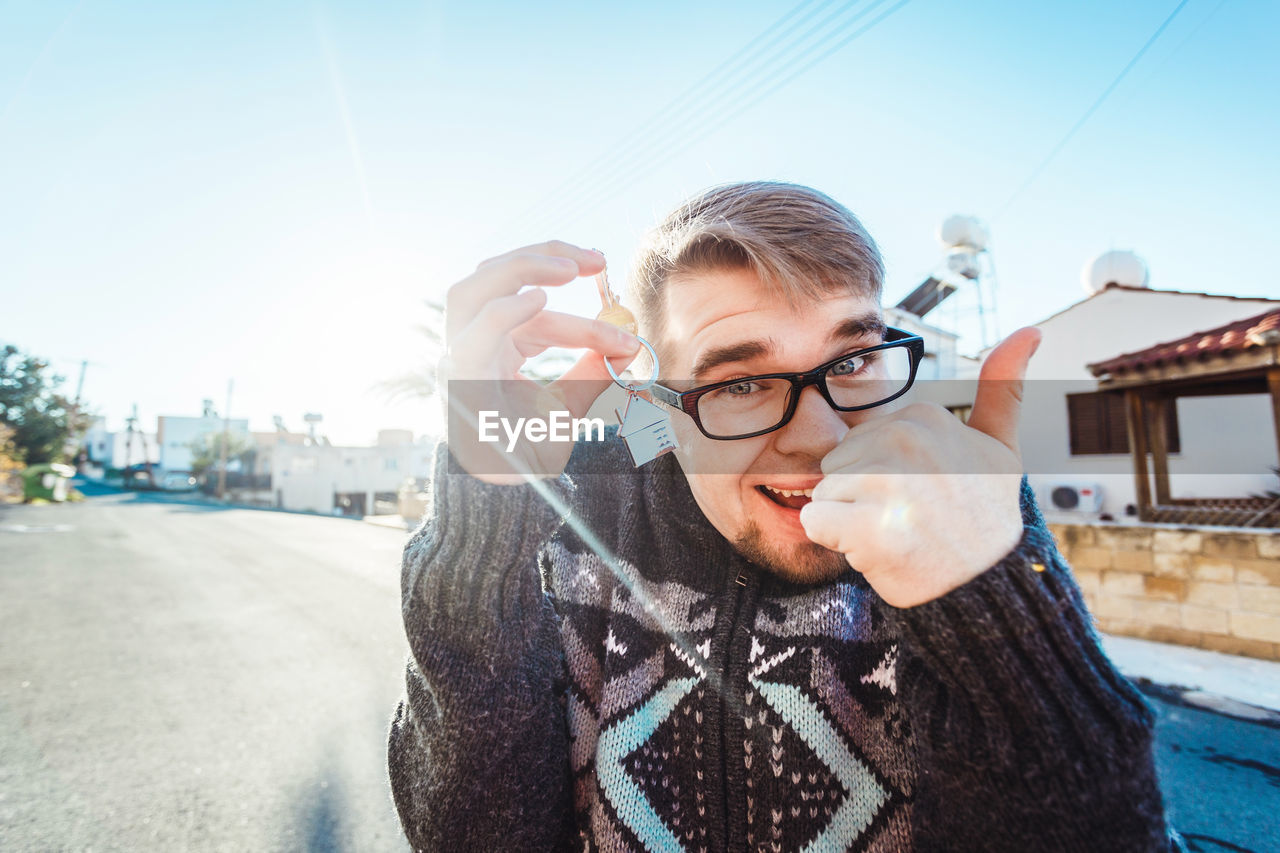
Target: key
<point x="612" y="311"/>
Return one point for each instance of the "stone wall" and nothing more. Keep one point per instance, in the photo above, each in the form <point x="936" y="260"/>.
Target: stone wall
<point x="1215" y="588"/>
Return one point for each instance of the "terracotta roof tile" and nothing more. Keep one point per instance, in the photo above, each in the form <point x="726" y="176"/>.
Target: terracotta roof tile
<point x="1257" y="331"/>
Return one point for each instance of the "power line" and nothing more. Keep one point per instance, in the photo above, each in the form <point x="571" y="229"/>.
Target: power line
<point x="1093" y="108"/>
<point x="730" y="108"/>
<point x="665" y="114"/>
<point x="758" y="65"/>
<point x="718" y="120"/>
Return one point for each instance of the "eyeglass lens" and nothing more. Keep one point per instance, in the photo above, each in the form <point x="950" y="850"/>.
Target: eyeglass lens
<point x="753" y="405"/>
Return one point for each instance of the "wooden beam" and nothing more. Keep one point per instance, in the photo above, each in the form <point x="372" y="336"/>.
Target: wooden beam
<point x="1273" y="383"/>
<point x="1138" y="447"/>
<point x="1255" y="358"/>
<point x="1157" y="409"/>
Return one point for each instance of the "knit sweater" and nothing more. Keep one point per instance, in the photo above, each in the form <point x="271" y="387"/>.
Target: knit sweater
<point x="593" y="666"/>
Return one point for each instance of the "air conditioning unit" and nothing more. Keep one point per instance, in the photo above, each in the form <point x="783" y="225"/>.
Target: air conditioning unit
<point x="1071" y="497"/>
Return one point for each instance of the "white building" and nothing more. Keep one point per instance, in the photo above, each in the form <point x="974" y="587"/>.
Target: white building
<point x="1070" y="437"/>
<point x="105" y="449"/>
<point x="942" y="360"/>
<point x="176" y="435"/>
<point x="355" y="481"/>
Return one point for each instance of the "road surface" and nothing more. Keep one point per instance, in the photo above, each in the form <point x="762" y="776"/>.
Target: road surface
<point x="180" y="677"/>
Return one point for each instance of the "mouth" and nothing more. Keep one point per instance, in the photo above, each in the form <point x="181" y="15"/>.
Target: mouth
<point x="787" y="498"/>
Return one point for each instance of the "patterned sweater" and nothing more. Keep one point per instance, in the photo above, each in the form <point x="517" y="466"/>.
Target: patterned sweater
<point x="593" y="666"/>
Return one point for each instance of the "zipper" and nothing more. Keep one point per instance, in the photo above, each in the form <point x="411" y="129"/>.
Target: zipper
<point x="742" y="597"/>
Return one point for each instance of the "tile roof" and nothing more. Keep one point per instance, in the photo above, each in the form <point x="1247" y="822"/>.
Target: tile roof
<point x="1257" y="331"/>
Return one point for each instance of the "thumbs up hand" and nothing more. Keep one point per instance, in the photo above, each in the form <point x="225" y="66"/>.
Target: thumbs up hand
<point x="921" y="503"/>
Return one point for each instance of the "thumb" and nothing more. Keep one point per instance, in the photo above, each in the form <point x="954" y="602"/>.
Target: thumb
<point x="997" y="406"/>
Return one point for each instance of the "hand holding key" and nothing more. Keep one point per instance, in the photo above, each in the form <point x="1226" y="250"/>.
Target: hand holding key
<point x="492" y="329"/>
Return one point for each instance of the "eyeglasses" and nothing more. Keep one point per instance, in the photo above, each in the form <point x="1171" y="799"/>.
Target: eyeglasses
<point x="755" y="405"/>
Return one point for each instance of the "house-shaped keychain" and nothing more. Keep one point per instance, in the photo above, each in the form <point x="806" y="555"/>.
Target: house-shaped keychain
<point x="645" y="430"/>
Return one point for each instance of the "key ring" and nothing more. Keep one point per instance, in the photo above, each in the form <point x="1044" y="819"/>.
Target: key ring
<point x="636" y="389"/>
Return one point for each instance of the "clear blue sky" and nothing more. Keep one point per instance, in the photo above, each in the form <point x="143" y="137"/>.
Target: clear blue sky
<point x="194" y="192"/>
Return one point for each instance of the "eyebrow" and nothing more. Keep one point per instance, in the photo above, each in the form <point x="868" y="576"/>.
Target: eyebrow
<point x="866" y="325"/>
<point x="717" y="356"/>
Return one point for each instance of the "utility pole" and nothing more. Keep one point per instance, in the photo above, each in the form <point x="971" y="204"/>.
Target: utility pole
<point x="128" y="443"/>
<point x="72" y="445"/>
<point x="226" y="437"/>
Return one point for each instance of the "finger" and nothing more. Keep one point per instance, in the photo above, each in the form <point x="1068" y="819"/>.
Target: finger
<point x="893" y="437"/>
<point x="506" y="275"/>
<point x="486" y="334"/>
<point x="997" y="406"/>
<point x="847" y="453"/>
<point x="552" y="328"/>
<point x="590" y="260"/>
<point x="863" y="483"/>
<point x="582" y="383"/>
<point x="830" y="524"/>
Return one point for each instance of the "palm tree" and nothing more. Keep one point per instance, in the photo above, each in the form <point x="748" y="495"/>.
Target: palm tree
<point x="421" y="384"/>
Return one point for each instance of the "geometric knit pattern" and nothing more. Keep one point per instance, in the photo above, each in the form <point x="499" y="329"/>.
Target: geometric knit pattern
<point x="822" y="686"/>
<point x="654" y="690"/>
<point x="810" y="747"/>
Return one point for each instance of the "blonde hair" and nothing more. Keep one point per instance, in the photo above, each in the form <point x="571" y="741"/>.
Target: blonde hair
<point x="801" y="243"/>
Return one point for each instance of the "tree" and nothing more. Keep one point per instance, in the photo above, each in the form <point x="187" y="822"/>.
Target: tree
<point x="10" y="465"/>
<point x="43" y="421"/>
<point x="206" y="452"/>
<point x="421" y="384"/>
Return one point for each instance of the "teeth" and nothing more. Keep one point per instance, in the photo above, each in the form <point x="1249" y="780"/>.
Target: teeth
<point x="791" y="493"/>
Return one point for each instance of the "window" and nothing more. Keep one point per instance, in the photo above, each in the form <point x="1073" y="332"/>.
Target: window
<point x="1097" y="424"/>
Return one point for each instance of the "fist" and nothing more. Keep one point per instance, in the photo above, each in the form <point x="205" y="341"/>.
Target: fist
<point x="920" y="503"/>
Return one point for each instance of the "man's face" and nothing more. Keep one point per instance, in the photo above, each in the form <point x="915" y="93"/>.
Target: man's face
<point x="724" y="325"/>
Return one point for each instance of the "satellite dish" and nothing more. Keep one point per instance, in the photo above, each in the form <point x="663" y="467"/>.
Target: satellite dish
<point x="1119" y="266"/>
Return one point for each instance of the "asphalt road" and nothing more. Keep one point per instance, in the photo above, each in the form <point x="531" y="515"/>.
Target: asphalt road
<point x="180" y="677"/>
<point x="1220" y="777"/>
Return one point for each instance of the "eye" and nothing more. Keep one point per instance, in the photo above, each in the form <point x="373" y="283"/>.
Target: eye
<point x="854" y="364"/>
<point x="739" y="389"/>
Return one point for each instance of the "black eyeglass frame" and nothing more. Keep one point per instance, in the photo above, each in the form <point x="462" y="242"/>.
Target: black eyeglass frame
<point x="687" y="401"/>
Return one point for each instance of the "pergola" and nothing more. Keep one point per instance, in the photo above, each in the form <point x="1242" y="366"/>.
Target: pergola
<point x="1239" y="358"/>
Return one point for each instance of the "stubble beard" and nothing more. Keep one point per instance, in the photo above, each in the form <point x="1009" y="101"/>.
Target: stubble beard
<point x="805" y="563"/>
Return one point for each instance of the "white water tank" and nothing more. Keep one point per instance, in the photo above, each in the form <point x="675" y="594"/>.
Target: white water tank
<point x="962" y="231"/>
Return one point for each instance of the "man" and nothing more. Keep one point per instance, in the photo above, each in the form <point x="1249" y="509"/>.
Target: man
<point x="829" y="621"/>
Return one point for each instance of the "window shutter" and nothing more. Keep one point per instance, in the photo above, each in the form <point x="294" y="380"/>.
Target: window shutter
<point x="1096" y="423"/>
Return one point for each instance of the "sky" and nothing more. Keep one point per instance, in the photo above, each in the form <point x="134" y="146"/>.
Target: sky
<point x="198" y="194"/>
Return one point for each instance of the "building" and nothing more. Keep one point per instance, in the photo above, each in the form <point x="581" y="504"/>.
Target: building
<point x="1236" y="360"/>
<point x="105" y="449"/>
<point x="353" y="481"/>
<point x="176" y="435"/>
<point x="942" y="360"/>
<point x="1073" y="435"/>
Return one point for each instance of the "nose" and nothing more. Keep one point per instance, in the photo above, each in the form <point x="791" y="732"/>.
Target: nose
<point x="814" y="429"/>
